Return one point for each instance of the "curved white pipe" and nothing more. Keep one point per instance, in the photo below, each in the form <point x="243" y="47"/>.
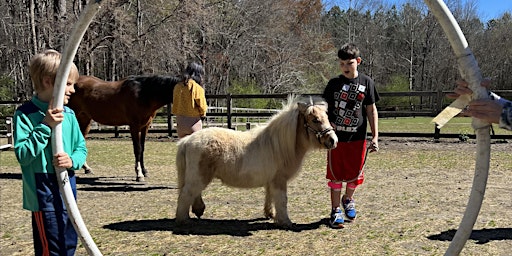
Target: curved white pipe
<point x="57" y="143"/>
<point x="470" y="71"/>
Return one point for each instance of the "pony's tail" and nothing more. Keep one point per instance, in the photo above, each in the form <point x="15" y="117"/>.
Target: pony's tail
<point x="181" y="163"/>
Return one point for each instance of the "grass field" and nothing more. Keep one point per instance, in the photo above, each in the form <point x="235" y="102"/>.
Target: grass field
<point x="458" y="125"/>
<point x="411" y="203"/>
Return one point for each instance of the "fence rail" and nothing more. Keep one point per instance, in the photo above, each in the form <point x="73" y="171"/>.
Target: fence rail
<point x="225" y="114"/>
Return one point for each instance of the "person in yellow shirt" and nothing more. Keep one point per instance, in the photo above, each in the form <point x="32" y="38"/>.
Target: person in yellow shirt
<point x="189" y="101"/>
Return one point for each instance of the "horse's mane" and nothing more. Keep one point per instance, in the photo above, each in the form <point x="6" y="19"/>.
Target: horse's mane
<point x="149" y="81"/>
<point x="147" y="87"/>
<point x="281" y="132"/>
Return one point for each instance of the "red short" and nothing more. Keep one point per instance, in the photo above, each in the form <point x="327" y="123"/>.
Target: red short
<point x="345" y="162"/>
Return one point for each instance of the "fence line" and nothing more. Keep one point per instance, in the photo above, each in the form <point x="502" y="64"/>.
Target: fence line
<point x="430" y="104"/>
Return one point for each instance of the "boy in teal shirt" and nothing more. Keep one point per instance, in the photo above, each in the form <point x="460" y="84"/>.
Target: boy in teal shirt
<point x="53" y="231"/>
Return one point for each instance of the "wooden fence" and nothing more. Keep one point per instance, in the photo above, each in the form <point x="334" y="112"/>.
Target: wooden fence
<point x="224" y="112"/>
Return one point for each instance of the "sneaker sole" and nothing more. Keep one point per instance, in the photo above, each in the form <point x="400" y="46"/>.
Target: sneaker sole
<point x="339" y="226"/>
<point x="350" y="220"/>
<point x="347" y="217"/>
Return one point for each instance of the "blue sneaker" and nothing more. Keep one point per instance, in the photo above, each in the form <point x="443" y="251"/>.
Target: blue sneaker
<point x="350" y="208"/>
<point x="337" y="219"/>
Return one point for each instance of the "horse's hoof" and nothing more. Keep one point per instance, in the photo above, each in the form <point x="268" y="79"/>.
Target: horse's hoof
<point x="183" y="222"/>
<point x="269" y="214"/>
<point x="88" y="171"/>
<point x="198" y="212"/>
<point x="139" y="179"/>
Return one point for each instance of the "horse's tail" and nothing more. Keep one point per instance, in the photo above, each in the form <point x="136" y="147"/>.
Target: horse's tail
<point x="181" y="163"/>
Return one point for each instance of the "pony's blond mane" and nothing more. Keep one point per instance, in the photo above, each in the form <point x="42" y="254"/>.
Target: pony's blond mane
<point x="280" y="135"/>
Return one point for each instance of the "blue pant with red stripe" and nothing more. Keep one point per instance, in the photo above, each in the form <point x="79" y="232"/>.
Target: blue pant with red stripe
<point x="53" y="233"/>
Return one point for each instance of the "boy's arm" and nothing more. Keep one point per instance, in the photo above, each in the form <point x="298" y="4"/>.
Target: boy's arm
<point x="79" y="154"/>
<point x="29" y="141"/>
<point x="373" y="119"/>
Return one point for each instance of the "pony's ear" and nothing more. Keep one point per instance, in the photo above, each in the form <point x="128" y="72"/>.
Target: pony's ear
<point x="303" y="106"/>
<point x="323" y="104"/>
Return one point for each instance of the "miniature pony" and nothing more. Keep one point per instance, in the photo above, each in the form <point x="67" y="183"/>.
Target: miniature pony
<point x="264" y="157"/>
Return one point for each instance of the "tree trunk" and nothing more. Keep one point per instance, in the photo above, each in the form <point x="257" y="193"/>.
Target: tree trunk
<point x="33" y="27"/>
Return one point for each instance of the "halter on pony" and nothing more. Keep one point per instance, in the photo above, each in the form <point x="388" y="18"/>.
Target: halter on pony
<point x="318" y="134"/>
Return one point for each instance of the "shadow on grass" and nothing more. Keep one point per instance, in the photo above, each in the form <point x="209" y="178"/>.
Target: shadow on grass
<point x="10" y="176"/>
<point x="209" y="227"/>
<point x="107" y="184"/>
<point x="482" y="236"/>
<point x="117" y="184"/>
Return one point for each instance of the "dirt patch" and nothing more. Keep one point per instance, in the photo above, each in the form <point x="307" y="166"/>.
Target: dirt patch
<point x="411" y="203"/>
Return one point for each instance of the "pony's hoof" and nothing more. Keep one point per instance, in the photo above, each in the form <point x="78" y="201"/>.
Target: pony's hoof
<point x="285" y="224"/>
<point x="88" y="171"/>
<point x="139" y="179"/>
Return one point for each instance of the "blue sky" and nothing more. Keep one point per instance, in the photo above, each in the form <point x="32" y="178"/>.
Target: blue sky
<point x="489" y="9"/>
<point x="486" y="9"/>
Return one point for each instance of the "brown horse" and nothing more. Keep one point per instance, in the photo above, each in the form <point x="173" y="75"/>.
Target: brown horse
<point x="132" y="101"/>
<point x="265" y="157"/>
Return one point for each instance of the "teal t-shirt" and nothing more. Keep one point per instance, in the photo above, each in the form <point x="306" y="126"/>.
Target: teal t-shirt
<point x="33" y="149"/>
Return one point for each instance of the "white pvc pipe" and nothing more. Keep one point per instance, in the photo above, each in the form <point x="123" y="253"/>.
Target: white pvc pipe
<point x="57" y="143"/>
<point x="470" y="71"/>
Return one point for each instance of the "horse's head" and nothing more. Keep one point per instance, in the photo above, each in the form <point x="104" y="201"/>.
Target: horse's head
<point x="317" y="122"/>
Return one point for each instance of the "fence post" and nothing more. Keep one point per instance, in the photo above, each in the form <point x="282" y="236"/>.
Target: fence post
<point x="228" y="105"/>
<point x="8" y="121"/>
<point x="439" y="99"/>
<point x="169" y="120"/>
<point x="437" y="133"/>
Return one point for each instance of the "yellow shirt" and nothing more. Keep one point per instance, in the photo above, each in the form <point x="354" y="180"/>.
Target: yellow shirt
<point x="189" y="100"/>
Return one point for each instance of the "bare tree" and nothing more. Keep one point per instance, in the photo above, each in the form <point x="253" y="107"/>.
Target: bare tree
<point x="269" y="46"/>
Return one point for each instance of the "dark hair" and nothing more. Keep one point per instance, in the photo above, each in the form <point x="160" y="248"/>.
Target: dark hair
<point x="349" y="51"/>
<point x="194" y="71"/>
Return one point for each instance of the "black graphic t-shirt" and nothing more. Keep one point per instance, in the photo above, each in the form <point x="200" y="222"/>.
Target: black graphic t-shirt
<point x="347" y="99"/>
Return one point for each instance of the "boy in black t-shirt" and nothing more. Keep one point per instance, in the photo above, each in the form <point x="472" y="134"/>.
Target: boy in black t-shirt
<point x="351" y="98"/>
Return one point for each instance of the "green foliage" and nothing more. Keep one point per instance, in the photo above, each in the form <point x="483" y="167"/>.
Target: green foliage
<point x="313" y="84"/>
<point x="5" y="84"/>
<point x="397" y="83"/>
<point x="317" y="78"/>
<point x="249" y="87"/>
<point x="6" y="94"/>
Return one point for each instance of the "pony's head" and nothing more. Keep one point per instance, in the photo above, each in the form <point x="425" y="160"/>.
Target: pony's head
<point x="317" y="122"/>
